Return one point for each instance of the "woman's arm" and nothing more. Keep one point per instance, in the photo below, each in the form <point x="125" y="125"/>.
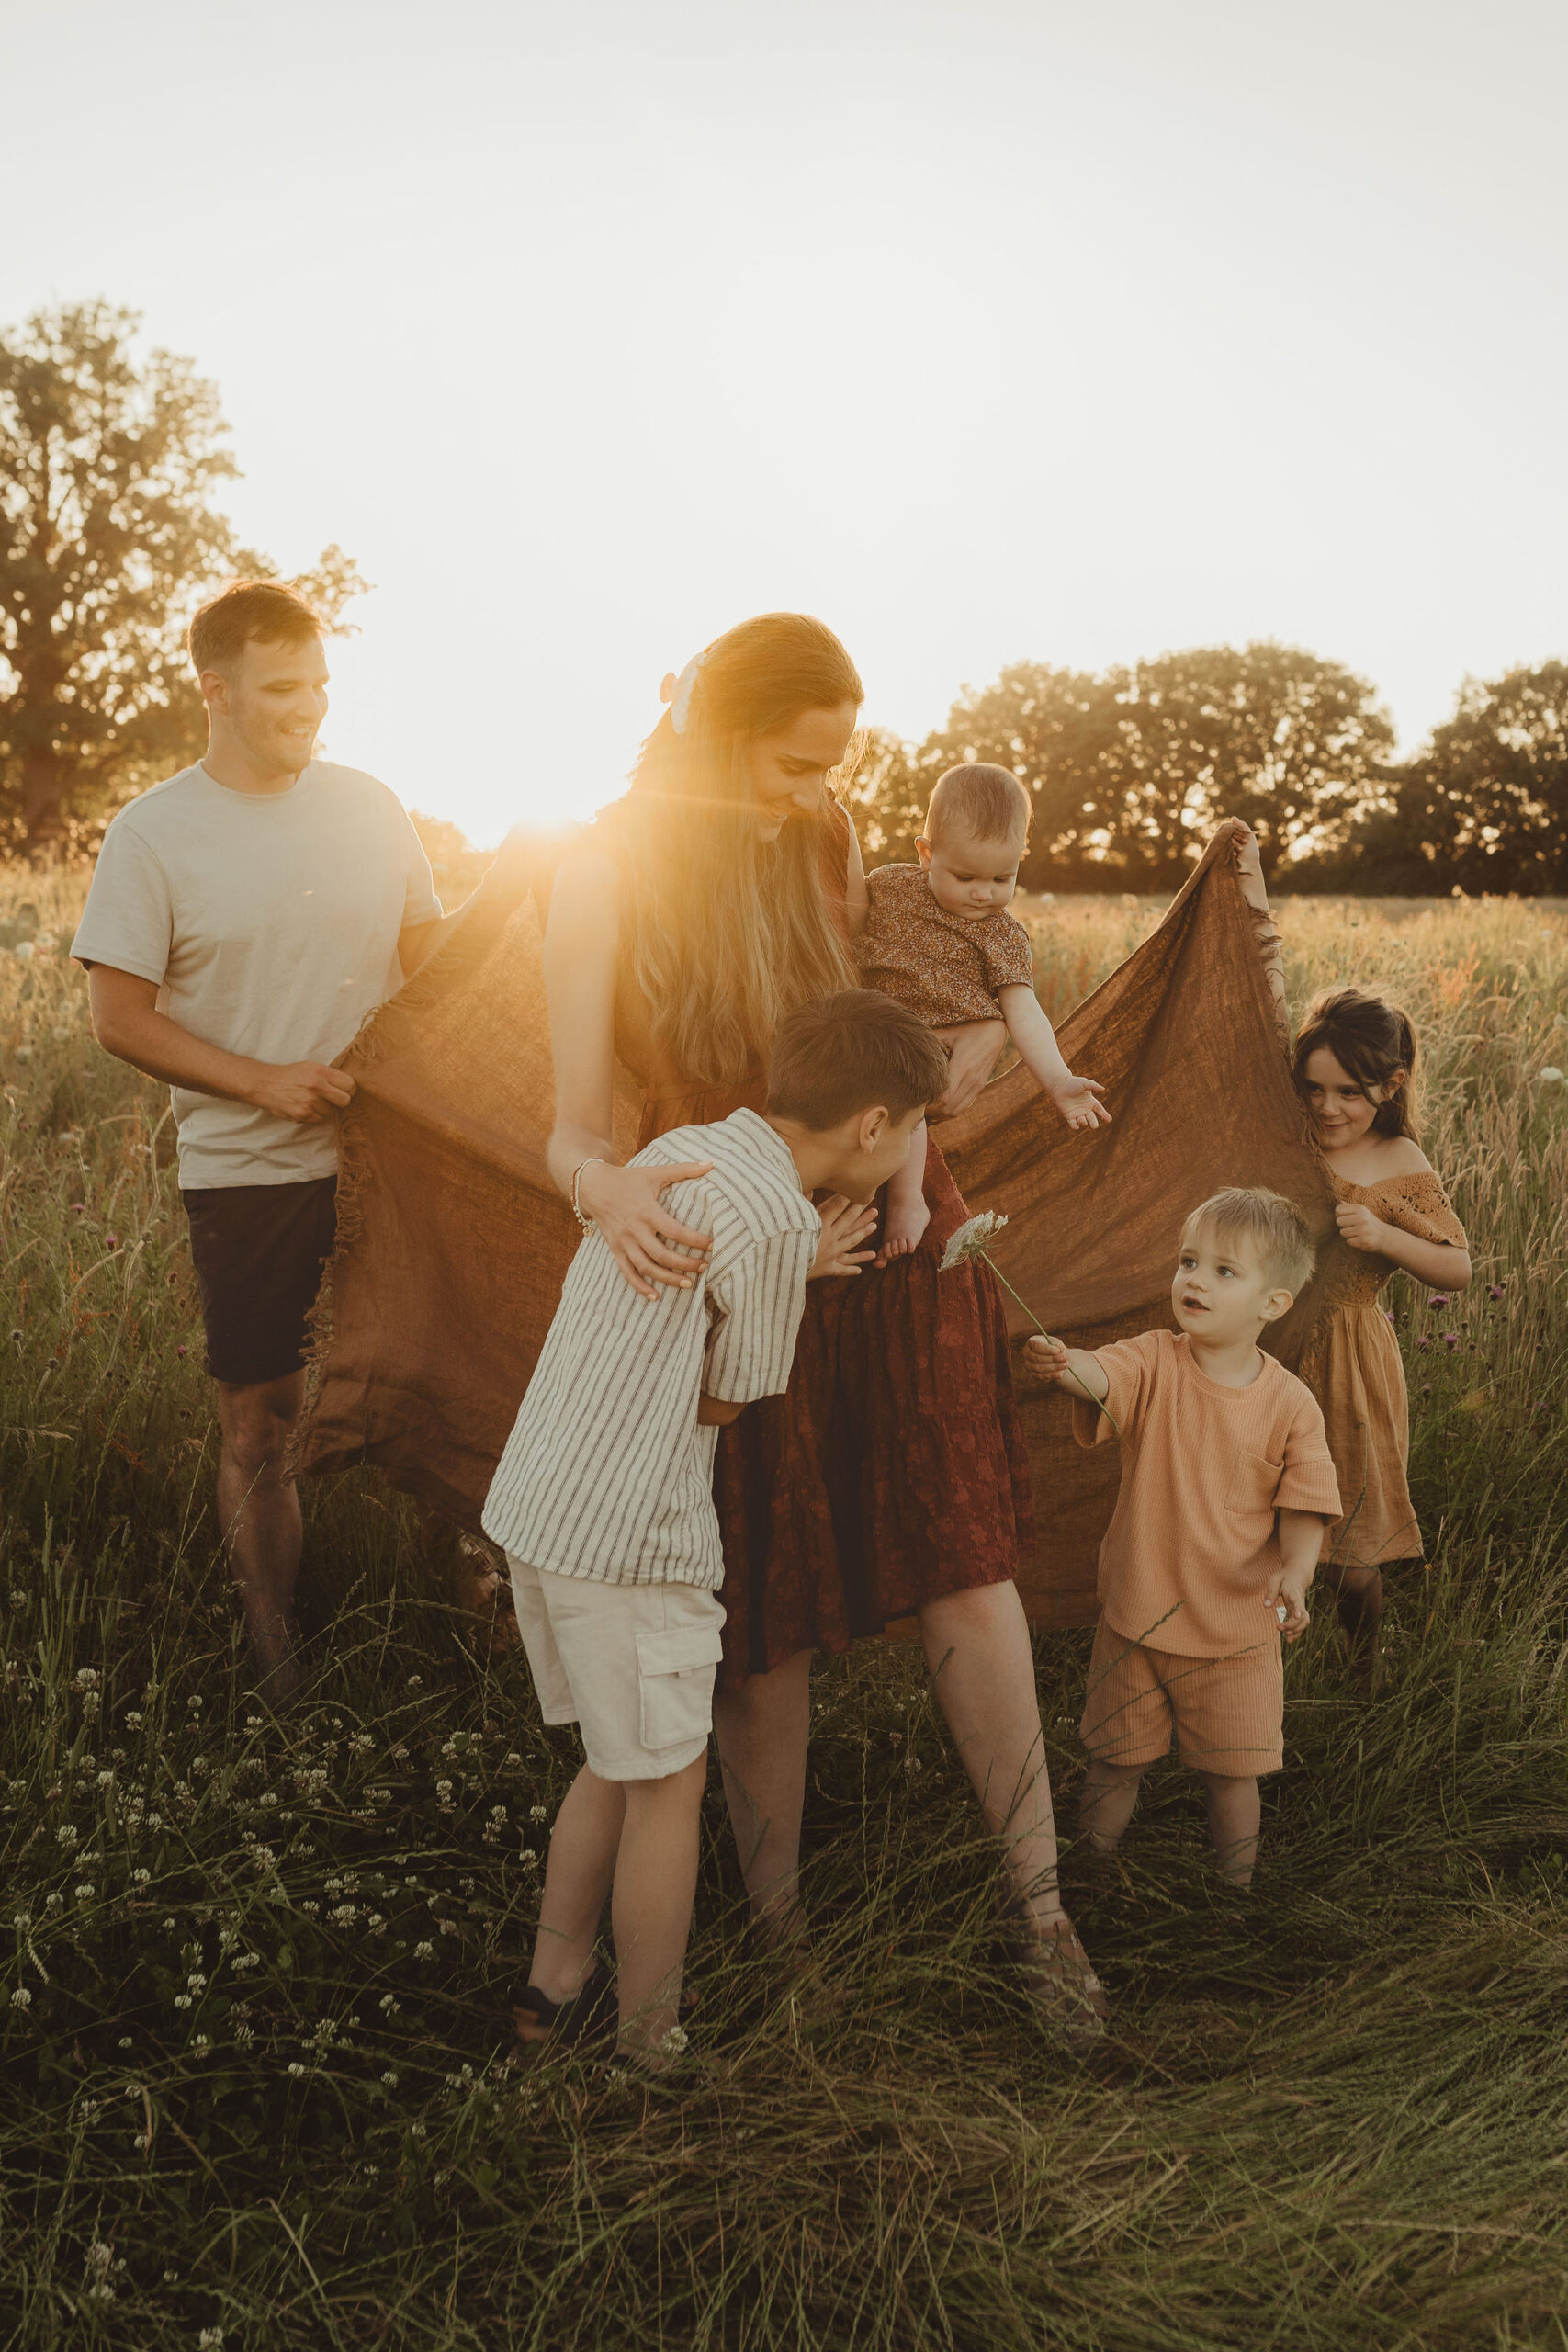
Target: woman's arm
<point x="581" y="944"/>
<point x="1248" y="861"/>
<point x="972" y="1050"/>
<point x="857" y="897"/>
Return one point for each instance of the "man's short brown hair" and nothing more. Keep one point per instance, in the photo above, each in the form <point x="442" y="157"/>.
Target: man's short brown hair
<point x="1273" y="1225"/>
<point x="261" y="612"/>
<point x="987" y="803"/>
<point x="850" y="1053"/>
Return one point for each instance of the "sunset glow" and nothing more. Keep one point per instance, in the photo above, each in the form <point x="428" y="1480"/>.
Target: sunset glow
<point x="986" y="332"/>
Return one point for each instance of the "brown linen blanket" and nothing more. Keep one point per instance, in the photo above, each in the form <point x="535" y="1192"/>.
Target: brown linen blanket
<point x="453" y="1242"/>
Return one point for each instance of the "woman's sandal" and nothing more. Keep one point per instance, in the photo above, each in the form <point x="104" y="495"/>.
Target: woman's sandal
<point x="589" y="2014"/>
<point x="1054" y="1968"/>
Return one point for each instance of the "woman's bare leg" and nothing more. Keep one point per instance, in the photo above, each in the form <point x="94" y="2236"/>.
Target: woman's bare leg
<point x="761" y="1731"/>
<point x="977" y="1645"/>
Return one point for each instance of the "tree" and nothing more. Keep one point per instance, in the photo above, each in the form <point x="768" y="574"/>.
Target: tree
<point x="1486" y="804"/>
<point x="108" y="541"/>
<point x="1132" y="768"/>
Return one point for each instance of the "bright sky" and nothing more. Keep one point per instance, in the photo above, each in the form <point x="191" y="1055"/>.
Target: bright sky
<point x="988" y="332"/>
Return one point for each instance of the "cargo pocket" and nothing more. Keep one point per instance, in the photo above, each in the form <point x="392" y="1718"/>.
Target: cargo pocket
<point x="675" y="1677"/>
<point x="1253" y="1485"/>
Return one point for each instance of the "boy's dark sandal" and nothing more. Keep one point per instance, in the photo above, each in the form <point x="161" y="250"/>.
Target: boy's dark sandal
<point x="588" y="2016"/>
<point x="1063" y="1989"/>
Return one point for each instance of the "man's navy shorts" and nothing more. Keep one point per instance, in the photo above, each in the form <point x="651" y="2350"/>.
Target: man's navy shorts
<point x="259" y="1251"/>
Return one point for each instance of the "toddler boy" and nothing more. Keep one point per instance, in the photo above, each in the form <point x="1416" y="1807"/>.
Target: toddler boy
<point x="603" y="1498"/>
<point x="1226" y="1484"/>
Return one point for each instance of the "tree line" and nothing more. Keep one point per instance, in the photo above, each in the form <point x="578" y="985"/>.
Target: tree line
<point x="111" y="463"/>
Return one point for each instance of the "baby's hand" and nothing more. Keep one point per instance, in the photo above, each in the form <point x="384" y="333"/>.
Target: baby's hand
<point x="1358" y="1227"/>
<point x="1078" y="1101"/>
<point x="1046" y="1357"/>
<point x="903" y="1225"/>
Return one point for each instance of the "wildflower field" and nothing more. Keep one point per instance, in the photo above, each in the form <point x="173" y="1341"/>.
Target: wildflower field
<point x="254" y="2088"/>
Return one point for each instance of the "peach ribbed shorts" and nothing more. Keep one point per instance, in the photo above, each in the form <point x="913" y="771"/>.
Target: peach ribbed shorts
<point x="1227" y="1712"/>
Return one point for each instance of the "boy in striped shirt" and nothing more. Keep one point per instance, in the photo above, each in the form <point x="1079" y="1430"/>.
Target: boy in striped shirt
<point x="603" y="1498"/>
<point x="1227" y="1486"/>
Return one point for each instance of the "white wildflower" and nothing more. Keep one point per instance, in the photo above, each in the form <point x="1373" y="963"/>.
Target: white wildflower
<point x="970" y="1239"/>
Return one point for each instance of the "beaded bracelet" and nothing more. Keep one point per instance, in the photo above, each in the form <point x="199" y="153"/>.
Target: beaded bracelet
<point x="585" y="1222"/>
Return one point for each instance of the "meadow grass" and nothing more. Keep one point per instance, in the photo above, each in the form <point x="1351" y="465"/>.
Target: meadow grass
<point x="254" y="2086"/>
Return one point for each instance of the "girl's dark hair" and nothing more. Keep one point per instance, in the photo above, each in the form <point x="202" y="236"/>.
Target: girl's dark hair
<point x="1373" y="1042"/>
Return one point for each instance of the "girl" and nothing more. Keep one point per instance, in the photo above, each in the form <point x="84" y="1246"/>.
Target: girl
<point x="1354" y="1064"/>
<point x="720" y="892"/>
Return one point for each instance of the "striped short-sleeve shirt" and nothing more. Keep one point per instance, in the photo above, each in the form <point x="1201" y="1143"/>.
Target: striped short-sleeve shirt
<point x="606" y="1473"/>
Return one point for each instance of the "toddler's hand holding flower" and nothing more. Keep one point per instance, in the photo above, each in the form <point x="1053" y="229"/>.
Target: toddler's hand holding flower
<point x="1046" y="1357"/>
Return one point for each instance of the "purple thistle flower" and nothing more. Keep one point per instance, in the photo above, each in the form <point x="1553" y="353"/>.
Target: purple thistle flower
<point x="1451" y="1338"/>
<point x="1438" y="1298"/>
<point x="1424" y="1340"/>
<point x="1497" y="1290"/>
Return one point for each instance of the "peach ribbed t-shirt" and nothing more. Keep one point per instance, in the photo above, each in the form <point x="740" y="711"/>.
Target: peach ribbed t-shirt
<point x="1194" y="1540"/>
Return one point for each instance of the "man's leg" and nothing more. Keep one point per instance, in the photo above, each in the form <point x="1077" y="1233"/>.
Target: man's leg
<point x="258" y="1511"/>
<point x="656" y="1885"/>
<point x="761" y="1731"/>
<point x="1235" y="1814"/>
<point x="977" y="1645"/>
<point x="1105" y="1807"/>
<point x="577" y="1874"/>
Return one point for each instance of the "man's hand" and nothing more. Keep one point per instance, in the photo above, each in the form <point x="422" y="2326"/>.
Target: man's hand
<point x="1078" y="1101"/>
<point x="1286" y="1597"/>
<point x="1359" y="1227"/>
<point x="302" y="1091"/>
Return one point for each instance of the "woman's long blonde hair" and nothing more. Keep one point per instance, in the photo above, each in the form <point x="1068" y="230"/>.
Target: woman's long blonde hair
<point x="729" y="932"/>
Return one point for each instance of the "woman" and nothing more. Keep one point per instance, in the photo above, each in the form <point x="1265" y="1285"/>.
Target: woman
<point x="890" y="1480"/>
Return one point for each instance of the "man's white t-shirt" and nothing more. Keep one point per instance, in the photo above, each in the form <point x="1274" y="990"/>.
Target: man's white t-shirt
<point x="269" y="924"/>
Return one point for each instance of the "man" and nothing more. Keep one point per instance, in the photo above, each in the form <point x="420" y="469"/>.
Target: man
<point x="244" y="918"/>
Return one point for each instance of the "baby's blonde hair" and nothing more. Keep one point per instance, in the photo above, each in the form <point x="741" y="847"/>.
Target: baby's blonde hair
<point x="1274" y="1226"/>
<point x="987" y="803"/>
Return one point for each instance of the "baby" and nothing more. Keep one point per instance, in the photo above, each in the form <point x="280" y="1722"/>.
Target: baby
<point x="939" y="939"/>
<point x="1226" y="1486"/>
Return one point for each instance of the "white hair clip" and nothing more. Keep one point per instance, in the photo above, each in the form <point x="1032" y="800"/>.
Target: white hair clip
<point x="680" y="700"/>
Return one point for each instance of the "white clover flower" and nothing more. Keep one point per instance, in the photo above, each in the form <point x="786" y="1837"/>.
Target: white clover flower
<point x="181" y="2000"/>
<point x="85" y="1891"/>
<point x="134" y="1719"/>
<point x="295" y="2068"/>
<point x="212" y="2338"/>
<point x="970" y="1239"/>
<point x="21" y="1998"/>
<point x="538" y="1812"/>
<point x="421" y="1951"/>
<point x="389" y="2079"/>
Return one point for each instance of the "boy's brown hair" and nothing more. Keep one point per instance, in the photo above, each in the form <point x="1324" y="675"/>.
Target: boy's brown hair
<point x="849" y="1053"/>
<point x="1273" y="1225"/>
<point x="261" y="611"/>
<point x="987" y="803"/>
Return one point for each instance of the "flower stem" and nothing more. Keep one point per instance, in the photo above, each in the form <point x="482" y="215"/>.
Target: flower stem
<point x="1089" y="1396"/>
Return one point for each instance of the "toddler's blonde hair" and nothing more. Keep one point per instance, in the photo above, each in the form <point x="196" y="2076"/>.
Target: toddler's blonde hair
<point x="1274" y="1227"/>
